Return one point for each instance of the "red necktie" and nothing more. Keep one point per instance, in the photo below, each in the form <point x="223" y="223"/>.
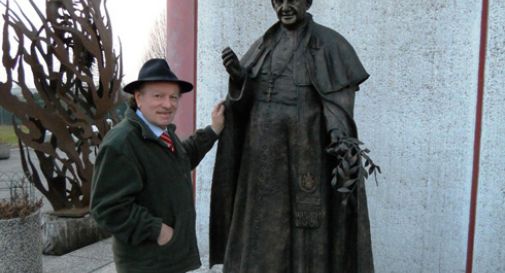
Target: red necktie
<point x="170" y="143"/>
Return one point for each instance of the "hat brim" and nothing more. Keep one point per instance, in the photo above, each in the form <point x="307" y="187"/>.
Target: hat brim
<point x="133" y="86"/>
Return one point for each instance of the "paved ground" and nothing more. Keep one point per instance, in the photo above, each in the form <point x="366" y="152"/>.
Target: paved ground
<point x="93" y="258"/>
<point x="11" y="164"/>
<point x="96" y="258"/>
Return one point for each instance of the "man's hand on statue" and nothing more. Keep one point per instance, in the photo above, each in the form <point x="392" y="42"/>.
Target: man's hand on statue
<point x="232" y="64"/>
<point x="166" y="234"/>
<point x="218" y="118"/>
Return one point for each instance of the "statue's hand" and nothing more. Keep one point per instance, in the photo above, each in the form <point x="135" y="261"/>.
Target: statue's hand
<point x="232" y="64"/>
<point x="336" y="135"/>
<point x="342" y="147"/>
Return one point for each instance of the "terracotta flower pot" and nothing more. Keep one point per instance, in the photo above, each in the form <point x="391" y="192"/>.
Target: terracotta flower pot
<point x="21" y="244"/>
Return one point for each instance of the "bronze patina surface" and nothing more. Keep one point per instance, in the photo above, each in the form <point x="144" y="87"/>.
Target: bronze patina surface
<point x="273" y="207"/>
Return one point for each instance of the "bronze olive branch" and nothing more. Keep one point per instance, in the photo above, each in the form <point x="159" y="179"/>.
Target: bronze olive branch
<point x="353" y="165"/>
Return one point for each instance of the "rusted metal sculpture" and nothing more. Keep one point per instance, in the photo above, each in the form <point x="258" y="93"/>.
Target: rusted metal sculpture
<point x="77" y="77"/>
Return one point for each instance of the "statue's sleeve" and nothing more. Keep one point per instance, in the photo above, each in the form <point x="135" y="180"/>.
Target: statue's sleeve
<point x="336" y="73"/>
<point x="338" y="109"/>
<point x="239" y="95"/>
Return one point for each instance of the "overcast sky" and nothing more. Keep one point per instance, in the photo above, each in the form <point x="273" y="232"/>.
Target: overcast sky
<point x="131" y="22"/>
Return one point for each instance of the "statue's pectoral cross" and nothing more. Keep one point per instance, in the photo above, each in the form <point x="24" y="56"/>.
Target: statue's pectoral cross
<point x="270" y="91"/>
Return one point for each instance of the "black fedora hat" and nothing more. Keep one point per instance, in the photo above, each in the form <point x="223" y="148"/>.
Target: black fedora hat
<point x="157" y="70"/>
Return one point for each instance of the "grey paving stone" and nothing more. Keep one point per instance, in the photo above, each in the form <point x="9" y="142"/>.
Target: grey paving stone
<point x="97" y="258"/>
<point x="205" y="267"/>
<point x="72" y="264"/>
<point x="109" y="268"/>
<point x="101" y="250"/>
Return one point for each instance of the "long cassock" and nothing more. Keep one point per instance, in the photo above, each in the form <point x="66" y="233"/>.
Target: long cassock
<point x="273" y="209"/>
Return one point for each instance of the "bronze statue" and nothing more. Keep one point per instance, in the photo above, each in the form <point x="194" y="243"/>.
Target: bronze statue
<point x="273" y="207"/>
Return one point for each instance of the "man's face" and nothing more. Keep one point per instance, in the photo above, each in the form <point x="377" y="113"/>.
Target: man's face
<point x="158" y="102"/>
<point x="290" y="12"/>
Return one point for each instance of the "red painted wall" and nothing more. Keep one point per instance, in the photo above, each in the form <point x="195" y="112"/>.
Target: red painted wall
<point x="478" y="134"/>
<point x="181" y="56"/>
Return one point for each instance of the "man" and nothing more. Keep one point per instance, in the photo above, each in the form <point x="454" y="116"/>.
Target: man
<point x="273" y="209"/>
<point x="142" y="190"/>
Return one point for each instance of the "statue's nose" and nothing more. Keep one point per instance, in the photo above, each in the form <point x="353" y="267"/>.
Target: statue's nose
<point x="284" y="5"/>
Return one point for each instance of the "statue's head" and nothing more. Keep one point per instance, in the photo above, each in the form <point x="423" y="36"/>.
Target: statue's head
<point x="291" y="13"/>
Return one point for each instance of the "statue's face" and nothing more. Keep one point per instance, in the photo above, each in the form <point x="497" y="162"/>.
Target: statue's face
<point x="291" y="13"/>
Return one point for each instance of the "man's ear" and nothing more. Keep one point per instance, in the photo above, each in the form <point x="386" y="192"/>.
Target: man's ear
<point x="136" y="97"/>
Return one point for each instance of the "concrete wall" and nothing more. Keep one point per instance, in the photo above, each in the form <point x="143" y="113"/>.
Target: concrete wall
<point x="416" y="113"/>
<point x="237" y="24"/>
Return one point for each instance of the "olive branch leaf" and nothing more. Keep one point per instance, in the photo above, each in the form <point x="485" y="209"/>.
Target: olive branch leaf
<point x="353" y="165"/>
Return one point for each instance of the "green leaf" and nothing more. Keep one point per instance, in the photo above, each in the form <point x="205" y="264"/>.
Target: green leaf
<point x="354" y="170"/>
<point x="341" y="172"/>
<point x="354" y="159"/>
<point x="372" y="168"/>
<point x="349" y="183"/>
<point x="345" y="165"/>
<point x="334" y="181"/>
<point x="364" y="173"/>
<point x="343" y="190"/>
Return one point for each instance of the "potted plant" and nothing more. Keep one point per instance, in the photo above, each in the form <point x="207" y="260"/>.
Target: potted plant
<point x="20" y="233"/>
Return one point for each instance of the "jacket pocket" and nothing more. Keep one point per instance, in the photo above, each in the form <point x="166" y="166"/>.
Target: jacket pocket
<point x="140" y="256"/>
<point x="180" y="246"/>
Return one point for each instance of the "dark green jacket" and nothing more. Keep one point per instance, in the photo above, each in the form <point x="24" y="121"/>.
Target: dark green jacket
<point x="138" y="184"/>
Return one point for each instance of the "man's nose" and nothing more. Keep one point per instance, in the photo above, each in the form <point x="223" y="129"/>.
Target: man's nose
<point x="168" y="103"/>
